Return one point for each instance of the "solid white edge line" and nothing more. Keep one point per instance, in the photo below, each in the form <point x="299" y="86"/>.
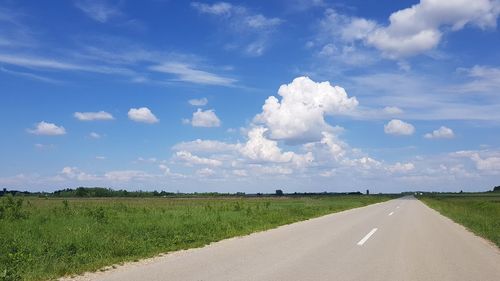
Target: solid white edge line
<point x="391" y="213"/>
<point x="367" y="236"/>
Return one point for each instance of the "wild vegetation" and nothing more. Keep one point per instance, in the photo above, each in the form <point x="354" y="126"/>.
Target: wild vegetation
<point x="44" y="238"/>
<point x="479" y="212"/>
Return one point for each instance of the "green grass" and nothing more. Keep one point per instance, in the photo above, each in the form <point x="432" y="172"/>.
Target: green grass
<point x="479" y="213"/>
<point x="48" y="238"/>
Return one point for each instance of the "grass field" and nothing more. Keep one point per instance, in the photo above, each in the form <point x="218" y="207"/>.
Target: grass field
<point x="48" y="238"/>
<point x="478" y="212"/>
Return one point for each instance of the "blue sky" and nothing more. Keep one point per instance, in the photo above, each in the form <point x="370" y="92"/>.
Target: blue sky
<point x="250" y="96"/>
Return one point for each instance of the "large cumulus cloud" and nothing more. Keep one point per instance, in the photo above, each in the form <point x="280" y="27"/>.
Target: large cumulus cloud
<point x="299" y="116"/>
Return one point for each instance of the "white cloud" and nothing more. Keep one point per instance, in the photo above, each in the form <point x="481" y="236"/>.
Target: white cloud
<point x="92" y="116"/>
<point x="198" y="102"/>
<point x="191" y="159"/>
<point x="218" y="9"/>
<point x="261" y="149"/>
<point x="47" y="129"/>
<point x="188" y="73"/>
<point x="29" y="75"/>
<point x="398" y="127"/>
<point x="485" y="79"/>
<point x="142" y="114"/>
<point x="147" y="160"/>
<point x="485" y="160"/>
<point x="419" y="28"/>
<point x="300" y="115"/>
<point x="441" y="133"/>
<point x="94" y="135"/>
<point x="206" y="146"/>
<point x="42" y="146"/>
<point x="100" y="157"/>
<point x="205" y="118"/>
<point x="205" y="172"/>
<point x="410" y="31"/>
<point x="393" y="110"/>
<point x="167" y="172"/>
<point x="260" y="22"/>
<point x="401" y="167"/>
<point x="335" y="146"/>
<point x="100" y="11"/>
<point x="240" y="173"/>
<point x="487" y="163"/>
<point x="366" y="163"/>
<point x="76" y="174"/>
<point x="49" y="64"/>
<point x="127" y="175"/>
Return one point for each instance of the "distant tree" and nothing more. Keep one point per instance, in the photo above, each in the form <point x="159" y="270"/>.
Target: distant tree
<point x="367" y="192"/>
<point x="496" y="189"/>
<point x="81" y="192"/>
<point x="279" y="192"/>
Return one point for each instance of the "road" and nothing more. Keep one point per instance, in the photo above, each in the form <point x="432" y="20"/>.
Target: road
<point x="400" y="239"/>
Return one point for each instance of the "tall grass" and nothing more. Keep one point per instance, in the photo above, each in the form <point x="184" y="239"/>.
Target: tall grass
<point x="48" y="238"/>
<point x="481" y="214"/>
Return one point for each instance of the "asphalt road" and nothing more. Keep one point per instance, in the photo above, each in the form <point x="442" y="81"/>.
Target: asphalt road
<point x="400" y="239"/>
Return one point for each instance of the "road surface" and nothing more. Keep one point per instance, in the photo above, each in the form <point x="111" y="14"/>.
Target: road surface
<point x="400" y="239"/>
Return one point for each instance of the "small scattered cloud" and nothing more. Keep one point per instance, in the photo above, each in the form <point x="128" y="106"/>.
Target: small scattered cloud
<point x="399" y="128"/>
<point x="47" y="129"/>
<point x="441" y="133"/>
<point x="41" y="146"/>
<point x="143" y="115"/>
<point x="100" y="158"/>
<point x="401" y="167"/>
<point x="206" y="118"/>
<point x="94" y="135"/>
<point x="393" y="110"/>
<point x="93" y="116"/>
<point x="198" y="102"/>
<point x="217" y="9"/>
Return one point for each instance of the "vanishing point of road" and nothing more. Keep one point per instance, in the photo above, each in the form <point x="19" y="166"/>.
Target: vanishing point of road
<point x="401" y="239"/>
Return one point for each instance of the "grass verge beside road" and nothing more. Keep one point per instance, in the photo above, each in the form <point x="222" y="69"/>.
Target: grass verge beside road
<point x="48" y="238"/>
<point x="479" y="213"/>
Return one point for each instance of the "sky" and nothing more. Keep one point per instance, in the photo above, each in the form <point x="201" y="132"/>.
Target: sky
<point x="303" y="96"/>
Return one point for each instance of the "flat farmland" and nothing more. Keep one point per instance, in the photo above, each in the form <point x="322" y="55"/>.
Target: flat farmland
<point x="47" y="238"/>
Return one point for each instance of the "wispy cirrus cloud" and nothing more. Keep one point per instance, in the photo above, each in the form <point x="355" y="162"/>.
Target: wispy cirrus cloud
<point x="99" y="55"/>
<point x="93" y="116"/>
<point x="188" y="73"/>
<point x="256" y="27"/>
<point x="31" y="76"/>
<point x="100" y="11"/>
